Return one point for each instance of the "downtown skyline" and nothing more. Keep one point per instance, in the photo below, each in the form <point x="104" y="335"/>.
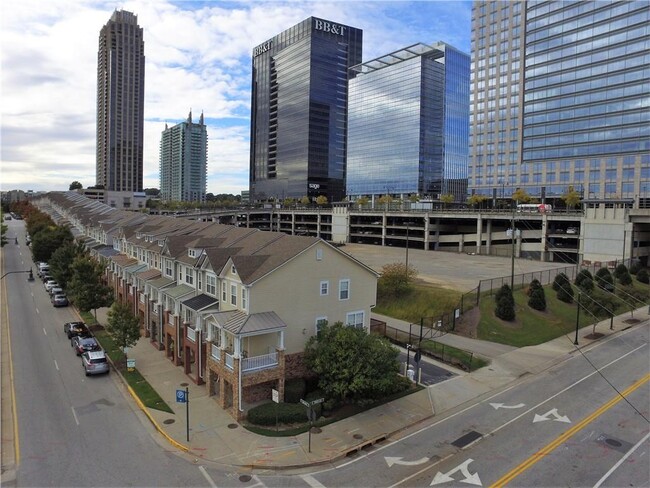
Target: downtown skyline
<point x="198" y="56"/>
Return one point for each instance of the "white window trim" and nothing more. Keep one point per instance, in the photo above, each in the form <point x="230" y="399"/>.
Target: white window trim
<point x="341" y="289"/>
<point x="363" y="318"/>
<point x="318" y="319"/>
<point x="327" y="288"/>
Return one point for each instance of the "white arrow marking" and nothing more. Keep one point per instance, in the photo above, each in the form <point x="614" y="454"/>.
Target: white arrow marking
<point x="472" y="479"/>
<point x="497" y="406"/>
<point x="553" y="413"/>
<point x="398" y="460"/>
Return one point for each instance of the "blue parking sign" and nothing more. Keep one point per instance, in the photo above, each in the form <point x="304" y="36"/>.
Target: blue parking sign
<point x="180" y="396"/>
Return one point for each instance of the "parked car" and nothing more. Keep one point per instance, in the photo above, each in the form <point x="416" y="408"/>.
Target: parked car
<point x="94" y="362"/>
<point x="49" y="284"/>
<point x="55" y="290"/>
<point x="571" y="230"/>
<point x="60" y="300"/>
<point x="83" y="344"/>
<point x="75" y="328"/>
<point x="7" y="217"/>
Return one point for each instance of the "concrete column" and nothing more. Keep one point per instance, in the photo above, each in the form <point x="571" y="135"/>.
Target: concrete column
<point x="479" y="233"/>
<point x="488" y="237"/>
<point x="461" y="243"/>
<point x="426" y="231"/>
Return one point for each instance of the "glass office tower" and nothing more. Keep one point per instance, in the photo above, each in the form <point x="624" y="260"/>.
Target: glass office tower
<point x="120" y="104"/>
<point x="299" y="111"/>
<point x="409" y="124"/>
<point x="184" y="161"/>
<point x="560" y="98"/>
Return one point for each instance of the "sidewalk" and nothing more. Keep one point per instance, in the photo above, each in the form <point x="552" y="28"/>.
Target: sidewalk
<point x="216" y="437"/>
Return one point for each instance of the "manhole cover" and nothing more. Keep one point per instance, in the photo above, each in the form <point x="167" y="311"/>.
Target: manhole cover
<point x="232" y="426"/>
<point x="245" y="478"/>
<point x="358" y="436"/>
<point x="185" y="384"/>
<point x="612" y="443"/>
<point x="168" y="421"/>
<point x="466" y="439"/>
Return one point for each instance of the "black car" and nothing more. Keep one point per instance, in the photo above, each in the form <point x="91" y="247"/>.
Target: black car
<point x="72" y="329"/>
<point x="84" y="344"/>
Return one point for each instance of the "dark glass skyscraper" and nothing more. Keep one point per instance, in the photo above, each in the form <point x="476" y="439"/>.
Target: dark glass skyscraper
<point x="299" y="111"/>
<point x="120" y="104"/>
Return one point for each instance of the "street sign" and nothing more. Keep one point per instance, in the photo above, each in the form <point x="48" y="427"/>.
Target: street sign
<point x="275" y="395"/>
<point x="130" y="364"/>
<point x="305" y="403"/>
<point x="180" y="396"/>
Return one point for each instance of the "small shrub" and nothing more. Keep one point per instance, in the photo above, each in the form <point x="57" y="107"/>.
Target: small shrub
<point x="505" y="307"/>
<point x="560" y="281"/>
<point x="620" y="270"/>
<point x="642" y="276"/>
<point x="534" y="285"/>
<point x="604" y="279"/>
<point x="537" y="299"/>
<point x="565" y="293"/>
<point x="586" y="285"/>
<point x="287" y="413"/>
<point x="294" y="390"/>
<point x="635" y="267"/>
<point x="582" y="276"/>
<point x="625" y="279"/>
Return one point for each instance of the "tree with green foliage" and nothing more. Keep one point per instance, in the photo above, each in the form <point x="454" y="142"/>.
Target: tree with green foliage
<point x="642" y="276"/>
<point x="604" y="279"/>
<point x="123" y="325"/>
<point x="476" y="200"/>
<point x="571" y="198"/>
<point x="537" y="299"/>
<point x="521" y="196"/>
<point x="48" y="240"/>
<point x="352" y="365"/>
<point x="620" y="270"/>
<point x="583" y="275"/>
<point x="625" y="279"/>
<point x="62" y="260"/>
<point x="86" y="288"/>
<point x="321" y="200"/>
<point x="505" y="303"/>
<point x="563" y="287"/>
<point x="75" y="185"/>
<point x="362" y="201"/>
<point x="305" y="200"/>
<point x="3" y="232"/>
<point x="447" y="199"/>
<point x="385" y="200"/>
<point x="534" y="285"/>
<point x="396" y="280"/>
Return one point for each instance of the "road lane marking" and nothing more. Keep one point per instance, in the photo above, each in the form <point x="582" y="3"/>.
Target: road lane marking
<point x="44" y="331"/>
<point x="513" y="473"/>
<point x="207" y="477"/>
<point x="56" y="365"/>
<point x="74" y="414"/>
<point x="621" y="461"/>
<point x="311" y="481"/>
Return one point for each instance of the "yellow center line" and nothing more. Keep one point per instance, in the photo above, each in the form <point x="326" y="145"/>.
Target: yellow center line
<point x="508" y="477"/>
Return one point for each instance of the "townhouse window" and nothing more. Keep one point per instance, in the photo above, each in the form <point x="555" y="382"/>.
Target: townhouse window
<point x="233" y="295"/>
<point x="233" y="270"/>
<point x="223" y="291"/>
<point x="244" y="298"/>
<point x="320" y="323"/>
<point x="211" y="285"/>
<point x="168" y="268"/>
<point x="344" y="289"/>
<point x="354" y="319"/>
<point x="319" y="254"/>
<point x="189" y="275"/>
<point x="199" y="281"/>
<point x="324" y="288"/>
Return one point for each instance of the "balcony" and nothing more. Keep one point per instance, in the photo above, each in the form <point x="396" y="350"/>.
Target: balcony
<point x="215" y="352"/>
<point x="191" y="334"/>
<point x="260" y="362"/>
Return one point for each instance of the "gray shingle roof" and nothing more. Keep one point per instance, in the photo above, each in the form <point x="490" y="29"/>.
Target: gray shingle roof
<point x="238" y="322"/>
<point x="200" y="302"/>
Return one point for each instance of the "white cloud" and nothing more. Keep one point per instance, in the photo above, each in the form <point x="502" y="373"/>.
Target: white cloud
<point x="197" y="57"/>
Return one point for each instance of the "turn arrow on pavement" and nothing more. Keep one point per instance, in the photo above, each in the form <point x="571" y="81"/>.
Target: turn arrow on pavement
<point x="398" y="460"/>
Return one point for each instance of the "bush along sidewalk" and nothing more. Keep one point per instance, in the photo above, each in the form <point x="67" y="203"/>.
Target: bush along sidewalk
<point x="147" y="395"/>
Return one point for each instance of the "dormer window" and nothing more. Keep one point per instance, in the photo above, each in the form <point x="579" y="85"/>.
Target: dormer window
<point x="160" y="243"/>
<point x="138" y="235"/>
<point x="191" y="253"/>
<point x="233" y="270"/>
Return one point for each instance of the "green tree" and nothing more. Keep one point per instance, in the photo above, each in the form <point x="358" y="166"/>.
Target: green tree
<point x="571" y="198"/>
<point x="75" y="185"/>
<point x="476" y="200"/>
<point x="537" y="299"/>
<point x="563" y="287"/>
<point x="560" y="281"/>
<point x="48" y="240"/>
<point x="321" y="200"/>
<point x="395" y="279"/>
<point x="505" y="303"/>
<point x="85" y="288"/>
<point x="447" y="199"/>
<point x="584" y="274"/>
<point x="305" y="200"/>
<point x="620" y="270"/>
<point x="352" y="365"/>
<point x="62" y="260"/>
<point x="3" y="232"/>
<point x="642" y="276"/>
<point x="123" y="326"/>
<point x="534" y="285"/>
<point x="521" y="196"/>
<point x="362" y="201"/>
<point x="604" y="279"/>
<point x="385" y="200"/>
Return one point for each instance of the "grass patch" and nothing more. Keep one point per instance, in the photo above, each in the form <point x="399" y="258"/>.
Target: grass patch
<point x="530" y="327"/>
<point x="452" y="355"/>
<point x="147" y="395"/>
<point x="421" y="301"/>
<point x="88" y="318"/>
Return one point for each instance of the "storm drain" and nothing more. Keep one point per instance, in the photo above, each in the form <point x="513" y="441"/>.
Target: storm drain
<point x="467" y="439"/>
<point x="245" y="478"/>
<point x="613" y="443"/>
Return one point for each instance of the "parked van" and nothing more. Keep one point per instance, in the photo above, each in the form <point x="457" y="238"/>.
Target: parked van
<point x="43" y="268"/>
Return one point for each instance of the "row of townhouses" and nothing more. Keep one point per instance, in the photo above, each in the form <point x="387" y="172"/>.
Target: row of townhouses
<point x="233" y="307"/>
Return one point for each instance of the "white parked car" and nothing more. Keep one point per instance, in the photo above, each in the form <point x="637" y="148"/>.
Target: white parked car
<point x="571" y="230"/>
<point x="49" y="284"/>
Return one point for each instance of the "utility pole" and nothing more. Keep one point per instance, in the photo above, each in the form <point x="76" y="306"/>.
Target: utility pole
<point x="512" y="263"/>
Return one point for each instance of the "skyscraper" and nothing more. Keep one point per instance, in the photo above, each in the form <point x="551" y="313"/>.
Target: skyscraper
<point x="409" y="124"/>
<point x="120" y="104"/>
<point x="299" y="110"/>
<point x="560" y="98"/>
<point x="183" y="161"/>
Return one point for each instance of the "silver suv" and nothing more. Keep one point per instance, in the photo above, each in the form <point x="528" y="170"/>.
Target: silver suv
<point x="94" y="362"/>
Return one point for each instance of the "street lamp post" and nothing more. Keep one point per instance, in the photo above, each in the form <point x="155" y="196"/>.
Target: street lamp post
<point x="407" y="248"/>
<point x="575" y="342"/>
<point x="29" y="278"/>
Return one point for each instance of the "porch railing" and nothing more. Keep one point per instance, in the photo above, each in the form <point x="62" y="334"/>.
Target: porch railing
<point x="215" y="352"/>
<point x="260" y="362"/>
<point x="230" y="361"/>
<point x="191" y="334"/>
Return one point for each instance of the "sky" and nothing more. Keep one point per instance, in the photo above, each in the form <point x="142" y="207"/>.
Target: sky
<point x="198" y="58"/>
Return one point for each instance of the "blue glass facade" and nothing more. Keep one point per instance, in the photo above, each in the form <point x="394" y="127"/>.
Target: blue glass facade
<point x="560" y="98"/>
<point x="299" y="111"/>
<point x="409" y="123"/>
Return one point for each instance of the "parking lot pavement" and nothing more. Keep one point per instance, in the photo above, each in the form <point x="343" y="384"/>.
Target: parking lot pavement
<point x="458" y="271"/>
